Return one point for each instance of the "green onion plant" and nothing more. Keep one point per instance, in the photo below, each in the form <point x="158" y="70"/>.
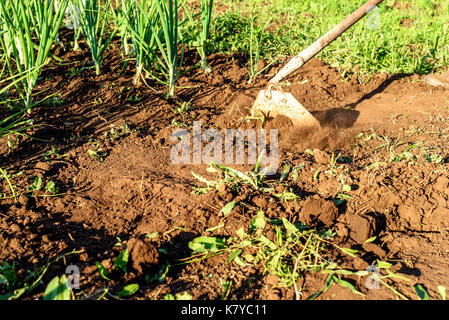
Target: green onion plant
<point x="201" y="30"/>
<point x="93" y="22"/>
<point x="73" y="23"/>
<point x="143" y="26"/>
<point x="28" y="31"/>
<point x="170" y="63"/>
<point x="15" y="124"/>
<point x="255" y="50"/>
<point x="121" y="16"/>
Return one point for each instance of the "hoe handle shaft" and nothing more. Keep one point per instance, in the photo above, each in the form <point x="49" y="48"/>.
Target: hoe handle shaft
<point x="297" y="62"/>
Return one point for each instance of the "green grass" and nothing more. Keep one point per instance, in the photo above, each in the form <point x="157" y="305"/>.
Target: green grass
<point x="410" y="40"/>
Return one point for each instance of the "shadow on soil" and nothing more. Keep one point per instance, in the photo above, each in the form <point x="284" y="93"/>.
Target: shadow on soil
<point x="384" y="85"/>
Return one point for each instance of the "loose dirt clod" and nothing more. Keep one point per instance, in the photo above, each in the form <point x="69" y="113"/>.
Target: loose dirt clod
<point x="361" y="228"/>
<point x="321" y="156"/>
<point x="244" y="103"/>
<point x="410" y="215"/>
<point x="318" y="211"/>
<point x="374" y="248"/>
<point x="14" y="227"/>
<point x="143" y="255"/>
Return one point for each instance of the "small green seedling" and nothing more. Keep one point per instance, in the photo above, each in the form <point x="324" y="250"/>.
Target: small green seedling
<point x="122" y="261"/>
<point x="58" y="289"/>
<point x="50" y="187"/>
<point x="99" y="155"/>
<point x="178" y="296"/>
<point x="128" y="290"/>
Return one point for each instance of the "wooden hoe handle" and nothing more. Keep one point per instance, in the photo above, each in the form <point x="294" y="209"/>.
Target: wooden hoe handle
<point x="297" y="62"/>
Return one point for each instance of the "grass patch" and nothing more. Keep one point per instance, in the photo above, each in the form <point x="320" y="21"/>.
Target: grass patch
<point x="411" y="38"/>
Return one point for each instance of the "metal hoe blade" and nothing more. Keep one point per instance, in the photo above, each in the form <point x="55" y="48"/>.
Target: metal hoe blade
<point x="273" y="103"/>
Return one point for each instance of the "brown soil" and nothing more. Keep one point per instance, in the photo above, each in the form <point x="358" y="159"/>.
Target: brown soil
<point x="136" y="190"/>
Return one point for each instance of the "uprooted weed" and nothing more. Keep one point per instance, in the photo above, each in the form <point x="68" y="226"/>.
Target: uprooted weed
<point x="284" y="249"/>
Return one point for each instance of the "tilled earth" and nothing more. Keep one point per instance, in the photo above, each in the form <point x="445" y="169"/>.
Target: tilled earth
<point x="106" y="146"/>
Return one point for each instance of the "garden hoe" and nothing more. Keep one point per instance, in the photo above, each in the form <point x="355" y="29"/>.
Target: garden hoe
<point x="274" y="101"/>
